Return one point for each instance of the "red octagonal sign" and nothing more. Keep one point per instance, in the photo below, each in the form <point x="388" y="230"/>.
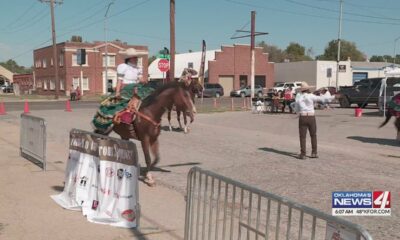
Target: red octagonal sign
<point x="163" y="65"/>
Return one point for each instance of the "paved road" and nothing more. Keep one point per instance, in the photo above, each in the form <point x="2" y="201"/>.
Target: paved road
<point x="223" y="102"/>
<point x="259" y="149"/>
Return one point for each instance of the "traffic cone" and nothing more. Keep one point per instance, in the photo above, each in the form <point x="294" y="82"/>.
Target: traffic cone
<point x="2" y="109"/>
<point x="26" y="107"/>
<point x="68" y="106"/>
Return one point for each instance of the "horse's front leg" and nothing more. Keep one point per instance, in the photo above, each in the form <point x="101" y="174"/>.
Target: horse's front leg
<point x="169" y="119"/>
<point x="186" y="122"/>
<point x="397" y="124"/>
<point x="178" y="117"/>
<point x="145" y="146"/>
<point x="154" y="150"/>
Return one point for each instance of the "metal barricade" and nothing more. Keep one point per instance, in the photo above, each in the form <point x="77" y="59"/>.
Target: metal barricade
<point x="33" y="139"/>
<point x="221" y="208"/>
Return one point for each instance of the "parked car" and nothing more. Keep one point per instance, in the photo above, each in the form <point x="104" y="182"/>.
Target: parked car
<point x="246" y="91"/>
<point x="362" y="93"/>
<point x="8" y="89"/>
<point x="280" y="87"/>
<point x="213" y="90"/>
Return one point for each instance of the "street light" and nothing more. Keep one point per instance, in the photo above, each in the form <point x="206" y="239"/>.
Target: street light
<point x="394" y="51"/>
<point x="106" y="42"/>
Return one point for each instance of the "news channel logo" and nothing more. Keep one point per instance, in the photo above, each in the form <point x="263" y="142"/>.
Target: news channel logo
<point x="374" y="203"/>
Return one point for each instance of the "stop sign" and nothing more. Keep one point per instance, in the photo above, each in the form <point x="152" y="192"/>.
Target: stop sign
<point x="163" y="65"/>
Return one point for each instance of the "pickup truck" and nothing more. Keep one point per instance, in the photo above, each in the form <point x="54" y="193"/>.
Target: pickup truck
<point x="364" y="92"/>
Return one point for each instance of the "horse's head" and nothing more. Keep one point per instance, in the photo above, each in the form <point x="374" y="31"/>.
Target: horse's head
<point x="182" y="100"/>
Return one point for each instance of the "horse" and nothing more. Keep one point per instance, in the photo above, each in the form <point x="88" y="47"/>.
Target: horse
<point x="393" y="113"/>
<point x="146" y="125"/>
<point x="194" y="88"/>
<point x="389" y="115"/>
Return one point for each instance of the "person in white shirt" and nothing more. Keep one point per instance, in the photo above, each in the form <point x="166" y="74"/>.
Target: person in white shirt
<point x="305" y="108"/>
<point x="131" y="88"/>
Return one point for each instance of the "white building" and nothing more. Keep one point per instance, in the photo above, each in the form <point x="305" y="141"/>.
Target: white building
<point x="6" y="76"/>
<point x="183" y="60"/>
<point x="323" y="73"/>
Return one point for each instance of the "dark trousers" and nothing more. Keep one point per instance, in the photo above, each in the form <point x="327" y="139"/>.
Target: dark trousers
<point x="73" y="96"/>
<point x="308" y="123"/>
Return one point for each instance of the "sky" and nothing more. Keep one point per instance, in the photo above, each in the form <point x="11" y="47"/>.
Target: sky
<point x="373" y="25"/>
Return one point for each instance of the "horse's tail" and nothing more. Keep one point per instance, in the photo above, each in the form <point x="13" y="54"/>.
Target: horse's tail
<point x="388" y="117"/>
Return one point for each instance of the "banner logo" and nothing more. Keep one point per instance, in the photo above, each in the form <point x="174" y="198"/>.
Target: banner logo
<point x="376" y="203"/>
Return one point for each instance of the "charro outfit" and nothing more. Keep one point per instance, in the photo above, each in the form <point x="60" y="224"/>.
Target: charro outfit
<point x="305" y="108"/>
<point x="129" y="75"/>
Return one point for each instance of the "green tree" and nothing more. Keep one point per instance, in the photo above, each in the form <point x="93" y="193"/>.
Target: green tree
<point x="274" y="53"/>
<point x="14" y="67"/>
<point x="384" y="58"/>
<point x="296" y="52"/>
<point x="347" y="49"/>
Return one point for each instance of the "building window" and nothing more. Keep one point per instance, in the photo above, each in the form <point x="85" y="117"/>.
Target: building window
<point x="85" y="83"/>
<point x="39" y="84"/>
<point x="51" y="61"/>
<point x="75" y="60"/>
<point x="61" y="60"/>
<point x="44" y="63"/>
<point x="45" y="84"/>
<point x="52" y="84"/>
<point x="111" y="61"/>
<point x="37" y="63"/>
<point x="62" y="84"/>
<point x="357" y="76"/>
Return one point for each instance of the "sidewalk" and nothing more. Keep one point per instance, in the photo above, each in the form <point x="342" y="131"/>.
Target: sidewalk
<point x="43" y="98"/>
<point x="28" y="212"/>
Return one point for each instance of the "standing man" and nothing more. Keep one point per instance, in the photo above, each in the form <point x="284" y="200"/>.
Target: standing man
<point x="305" y="108"/>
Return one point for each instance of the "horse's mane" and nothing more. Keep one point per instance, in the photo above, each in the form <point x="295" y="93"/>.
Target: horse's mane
<point x="153" y="96"/>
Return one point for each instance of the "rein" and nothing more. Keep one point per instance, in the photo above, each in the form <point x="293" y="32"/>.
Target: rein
<point x="156" y="125"/>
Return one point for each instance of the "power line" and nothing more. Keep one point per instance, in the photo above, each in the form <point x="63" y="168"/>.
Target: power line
<point x="22" y="15"/>
<point x="348" y="13"/>
<point x="308" y="15"/>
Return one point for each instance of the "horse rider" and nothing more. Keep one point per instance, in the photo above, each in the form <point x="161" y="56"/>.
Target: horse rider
<point x="131" y="88"/>
<point x="186" y="76"/>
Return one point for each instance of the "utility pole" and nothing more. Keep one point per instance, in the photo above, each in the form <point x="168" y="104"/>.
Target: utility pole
<point x="53" y="35"/>
<point x="339" y="37"/>
<point x="106" y="47"/>
<point x="252" y="36"/>
<point x="252" y="43"/>
<point x="172" y="40"/>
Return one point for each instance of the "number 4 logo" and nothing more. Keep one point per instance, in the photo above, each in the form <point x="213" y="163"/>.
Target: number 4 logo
<point x="381" y="199"/>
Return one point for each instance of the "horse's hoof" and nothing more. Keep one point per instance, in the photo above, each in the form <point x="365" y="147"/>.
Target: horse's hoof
<point x="150" y="182"/>
<point x="170" y="128"/>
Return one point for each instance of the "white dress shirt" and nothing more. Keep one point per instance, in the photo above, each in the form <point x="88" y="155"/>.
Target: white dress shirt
<point x="128" y="73"/>
<point x="305" y="102"/>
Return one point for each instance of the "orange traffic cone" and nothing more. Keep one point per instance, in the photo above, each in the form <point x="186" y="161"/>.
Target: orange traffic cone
<point x="68" y="106"/>
<point x="26" y="107"/>
<point x="2" y="109"/>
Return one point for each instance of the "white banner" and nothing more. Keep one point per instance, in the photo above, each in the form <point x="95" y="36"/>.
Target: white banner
<point x="102" y="180"/>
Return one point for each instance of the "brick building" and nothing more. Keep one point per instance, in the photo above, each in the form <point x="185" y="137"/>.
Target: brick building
<point x="23" y="83"/>
<point x="231" y="68"/>
<point x="69" y="71"/>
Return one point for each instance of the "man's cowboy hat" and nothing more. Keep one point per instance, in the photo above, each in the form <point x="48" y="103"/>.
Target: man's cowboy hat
<point x="131" y="52"/>
<point x="305" y="87"/>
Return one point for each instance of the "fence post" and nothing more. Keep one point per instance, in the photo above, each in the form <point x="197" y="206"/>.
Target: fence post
<point x="232" y="105"/>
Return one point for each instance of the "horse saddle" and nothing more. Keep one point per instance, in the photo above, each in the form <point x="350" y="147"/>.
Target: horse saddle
<point x="128" y="115"/>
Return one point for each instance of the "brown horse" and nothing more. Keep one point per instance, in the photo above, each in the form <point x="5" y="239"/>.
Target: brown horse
<point x="389" y="115"/>
<point x="392" y="112"/>
<point x="194" y="89"/>
<point x="146" y="126"/>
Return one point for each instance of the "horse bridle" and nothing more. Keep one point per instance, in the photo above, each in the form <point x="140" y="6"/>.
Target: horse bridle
<point x="149" y="119"/>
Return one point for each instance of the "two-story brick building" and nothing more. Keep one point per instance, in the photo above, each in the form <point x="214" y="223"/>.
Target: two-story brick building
<point x="94" y="78"/>
<point x="228" y="66"/>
